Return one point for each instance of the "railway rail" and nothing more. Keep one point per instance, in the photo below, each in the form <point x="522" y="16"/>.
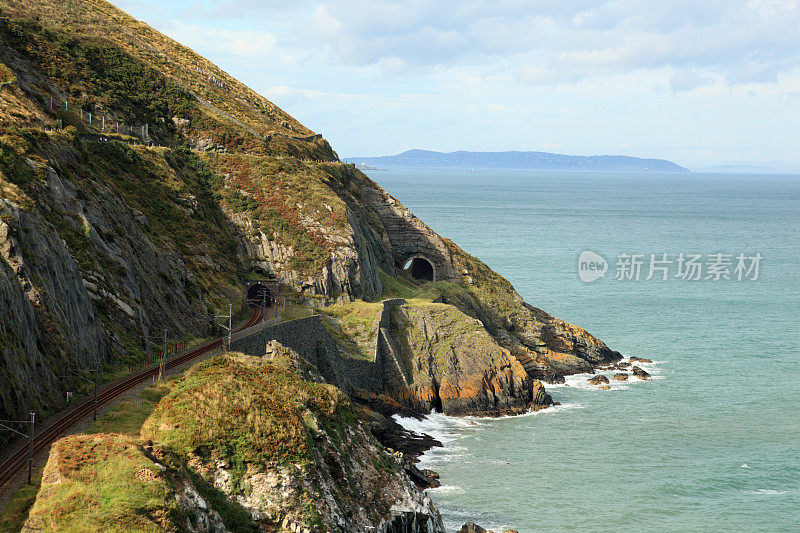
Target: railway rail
<point x="18" y="460"/>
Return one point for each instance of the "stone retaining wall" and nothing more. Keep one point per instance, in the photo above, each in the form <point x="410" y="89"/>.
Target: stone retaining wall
<point x="312" y="341"/>
<point x="387" y="354"/>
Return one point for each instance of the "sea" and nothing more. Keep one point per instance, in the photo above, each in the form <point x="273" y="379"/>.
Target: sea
<point x="712" y="441"/>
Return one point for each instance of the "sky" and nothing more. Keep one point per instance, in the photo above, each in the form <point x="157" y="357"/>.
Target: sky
<point x="698" y="82"/>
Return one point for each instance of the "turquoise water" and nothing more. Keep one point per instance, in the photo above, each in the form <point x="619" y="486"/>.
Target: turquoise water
<point x="712" y="444"/>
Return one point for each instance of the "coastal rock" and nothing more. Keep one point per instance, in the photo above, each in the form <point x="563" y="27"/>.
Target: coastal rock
<point x="539" y="397"/>
<point x="455" y="366"/>
<point x="128" y="241"/>
<point x="430" y="474"/>
<point x="320" y="443"/>
<point x="598" y="379"/>
<point x="640" y="373"/>
<point x="605" y="387"/>
<point x="640" y="360"/>
<point x="471" y="527"/>
<point x="620" y="377"/>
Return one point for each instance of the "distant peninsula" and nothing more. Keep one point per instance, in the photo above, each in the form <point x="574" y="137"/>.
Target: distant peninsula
<point x="518" y="160"/>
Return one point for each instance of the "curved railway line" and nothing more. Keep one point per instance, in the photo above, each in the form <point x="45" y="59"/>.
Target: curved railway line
<point x="18" y="460"/>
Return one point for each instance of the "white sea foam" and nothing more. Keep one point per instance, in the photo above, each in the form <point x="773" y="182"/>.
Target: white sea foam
<point x="769" y="492"/>
<point x="446" y="489"/>
<point x="581" y="381"/>
<point x="449" y="429"/>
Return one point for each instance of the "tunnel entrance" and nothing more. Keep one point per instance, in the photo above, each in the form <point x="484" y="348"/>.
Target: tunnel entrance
<point x="420" y="269"/>
<point x="262" y="294"/>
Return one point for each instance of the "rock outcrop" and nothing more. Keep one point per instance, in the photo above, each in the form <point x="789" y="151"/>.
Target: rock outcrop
<point x="298" y="447"/>
<point x="456" y="367"/>
<point x="598" y="380"/>
<point x="112" y="240"/>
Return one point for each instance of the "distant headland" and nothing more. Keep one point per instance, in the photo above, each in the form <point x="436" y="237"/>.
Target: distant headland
<point x="518" y="160"/>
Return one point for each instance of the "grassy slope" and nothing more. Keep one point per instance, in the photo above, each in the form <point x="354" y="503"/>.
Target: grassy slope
<point x="274" y="418"/>
<point x="103" y="482"/>
<point x="244" y="411"/>
<point x="280" y="181"/>
<point x="126" y="418"/>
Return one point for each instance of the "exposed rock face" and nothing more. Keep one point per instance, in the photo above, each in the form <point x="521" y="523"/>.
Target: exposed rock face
<point x="297" y="445"/>
<point x="350" y="272"/>
<point x="53" y="324"/>
<point x="118" y="241"/>
<point x="408" y="236"/>
<point x="620" y="377"/>
<point x="456" y="367"/>
<point x="85" y="469"/>
<point x="598" y="379"/>
<point x="640" y="373"/>
<point x="91" y="275"/>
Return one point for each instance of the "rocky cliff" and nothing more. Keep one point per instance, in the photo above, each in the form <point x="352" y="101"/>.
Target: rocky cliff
<point x="456" y="366"/>
<point x="239" y="444"/>
<point x="141" y="185"/>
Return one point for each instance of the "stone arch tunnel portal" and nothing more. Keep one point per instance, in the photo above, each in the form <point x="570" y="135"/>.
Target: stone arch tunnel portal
<point x="420" y="268"/>
<point x="262" y="294"/>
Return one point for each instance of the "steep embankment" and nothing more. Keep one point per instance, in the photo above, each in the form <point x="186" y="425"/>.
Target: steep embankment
<point x="141" y="185"/>
<point x="457" y="367"/>
<point x="239" y="444"/>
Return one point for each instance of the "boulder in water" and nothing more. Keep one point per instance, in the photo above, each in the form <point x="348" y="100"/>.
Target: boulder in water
<point x="639" y="373"/>
<point x="471" y="527"/>
<point x="598" y="380"/>
<point x="620" y="377"/>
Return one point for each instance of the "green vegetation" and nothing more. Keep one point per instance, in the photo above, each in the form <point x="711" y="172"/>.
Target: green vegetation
<point x="12" y="162"/>
<point x="106" y="483"/>
<point x="354" y="321"/>
<point x="16" y="510"/>
<point x="6" y="75"/>
<point x="289" y="200"/>
<point x="246" y="410"/>
<point x="95" y="72"/>
<point x="128" y="415"/>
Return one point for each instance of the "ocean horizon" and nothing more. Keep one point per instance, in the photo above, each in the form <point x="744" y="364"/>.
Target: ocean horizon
<point x="709" y="441"/>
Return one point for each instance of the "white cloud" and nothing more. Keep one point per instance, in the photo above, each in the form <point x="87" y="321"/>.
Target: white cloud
<point x="688" y="79"/>
<point x="239" y="43"/>
<point x="699" y="82"/>
<point x="548" y="43"/>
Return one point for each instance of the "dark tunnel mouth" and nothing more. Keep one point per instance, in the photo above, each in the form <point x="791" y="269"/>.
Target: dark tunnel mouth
<point x="255" y="296"/>
<point x="420" y="269"/>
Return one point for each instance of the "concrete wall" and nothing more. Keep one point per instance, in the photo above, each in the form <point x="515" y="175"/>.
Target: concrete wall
<point x="311" y="340"/>
<point x="387" y="354"/>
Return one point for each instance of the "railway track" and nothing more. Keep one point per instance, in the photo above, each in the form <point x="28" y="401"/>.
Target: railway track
<point x="18" y="460"/>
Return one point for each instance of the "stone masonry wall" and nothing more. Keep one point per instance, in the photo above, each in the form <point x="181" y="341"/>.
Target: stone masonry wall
<point x="312" y="341"/>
